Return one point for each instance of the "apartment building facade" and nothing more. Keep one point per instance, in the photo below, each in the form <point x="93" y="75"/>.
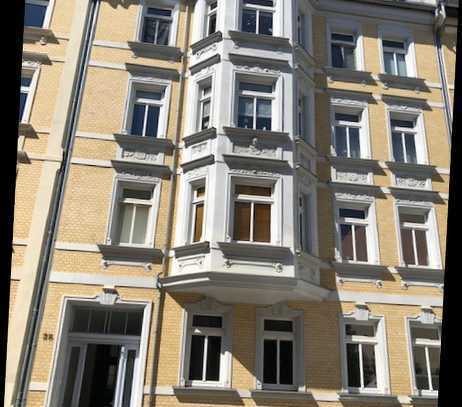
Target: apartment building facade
<point x="236" y="202"/>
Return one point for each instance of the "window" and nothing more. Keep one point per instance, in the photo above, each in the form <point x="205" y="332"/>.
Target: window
<point x="426" y="343"/>
<point x="347" y="130"/>
<point x="301" y="30"/>
<point x="197" y="213"/>
<point x="278" y="352"/>
<point x="257" y="16"/>
<point x="353" y="225"/>
<point x="394" y="57"/>
<point x="343" y="50"/>
<point x="302" y="111"/>
<point x="414" y="232"/>
<point x="255" y="106"/>
<point x="102" y="357"/>
<point x="304" y="219"/>
<point x="134" y="215"/>
<point x="252" y="213"/>
<point x="205" y="94"/>
<point x="146" y="113"/>
<point x="157" y="24"/>
<point x="403" y="135"/>
<point x="211" y="25"/>
<point x="361" y="356"/>
<point x="35" y="12"/>
<point x="26" y="80"/>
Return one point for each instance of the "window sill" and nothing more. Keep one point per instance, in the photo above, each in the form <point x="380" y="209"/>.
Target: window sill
<point x="272" y="135"/>
<point x="205" y="42"/>
<point x="281" y="394"/>
<point x="403" y="82"/>
<point x="39" y="57"/>
<point x="303" y="54"/>
<point x="255" y="162"/>
<point x="202" y="135"/>
<point x="22" y="157"/>
<point x="360" y="271"/>
<point x="426" y="275"/>
<point x="356" y="187"/>
<point x="34" y="34"/>
<point x="191" y="249"/>
<point x="419" y="169"/>
<point x="144" y="49"/>
<point x="130" y="253"/>
<point x="245" y="37"/>
<point x="144" y="166"/>
<point x="410" y="193"/>
<point x="161" y="72"/>
<point x="349" y="75"/>
<point x="307" y="146"/>
<point x="419" y="399"/>
<point x="368" y="397"/>
<point x="204" y="391"/>
<point x="368" y="163"/>
<point x="161" y="143"/>
<point x="26" y="130"/>
<point x="199" y="162"/>
<point x="254" y="250"/>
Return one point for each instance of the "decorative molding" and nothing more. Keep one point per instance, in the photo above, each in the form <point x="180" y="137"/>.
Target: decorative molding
<point x="109" y="296"/>
<point x="384" y="298"/>
<point x="102" y="279"/>
<point x="200" y="136"/>
<point x="206" y="44"/>
<point x="345" y="196"/>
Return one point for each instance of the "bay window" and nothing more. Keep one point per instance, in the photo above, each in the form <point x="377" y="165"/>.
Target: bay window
<point x="414" y="231"/>
<point x="403" y="134"/>
<point x="257" y="16"/>
<point x="35" y="12"/>
<point x="255" y="105"/>
<point x="347" y="134"/>
<point x="394" y="57"/>
<point x="157" y="25"/>
<point x="252" y="213"/>
<point x="353" y="226"/>
<point x="146" y="112"/>
<point x="343" y="49"/>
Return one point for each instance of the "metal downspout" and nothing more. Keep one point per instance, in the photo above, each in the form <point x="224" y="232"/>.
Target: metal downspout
<point x="171" y="202"/>
<point x="38" y="298"/>
<point x="440" y="18"/>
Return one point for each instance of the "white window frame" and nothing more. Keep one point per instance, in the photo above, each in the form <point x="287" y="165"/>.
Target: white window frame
<point x="259" y="8"/>
<point x="433" y="245"/>
<point x="121" y="183"/>
<point x="411" y="114"/>
<point x="48" y="12"/>
<point x="202" y="99"/>
<point x="426" y="319"/>
<point x="400" y="34"/>
<point x="170" y="4"/>
<point x="281" y="312"/>
<point x="148" y="84"/>
<point x="210" y="307"/>
<point x="209" y="13"/>
<point x="370" y="222"/>
<point x="348" y="28"/>
<point x="193" y="186"/>
<point x="31" y="70"/>
<point x="63" y="344"/>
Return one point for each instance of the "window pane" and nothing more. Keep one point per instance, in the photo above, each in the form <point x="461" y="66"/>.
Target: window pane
<point x="141" y="223"/>
<point x="361" y="330"/>
<point x="34" y="15"/>
<point x="242" y="221"/>
<point x="341" y="141"/>
<point x="212" y="24"/>
<point x="160" y="11"/>
<point x="196" y="357"/>
<point x="149" y="30"/>
<point x="398" y="153"/>
<point x="98" y="321"/>
<point x="352" y="213"/>
<point x="337" y="58"/>
<point x="213" y="358"/>
<point x="342" y="37"/>
<point x="278" y="325"/>
<point x="267" y="3"/>
<point x="361" y="243"/>
<point x="22" y="104"/>
<point x="249" y="21"/>
<point x="71" y="375"/>
<point x="347" y="242"/>
<point x="349" y="56"/>
<point x="117" y="322"/>
<point x="347" y="117"/>
<point x="264" y="114"/>
<point x="245" y="118"/>
<point x="262" y="223"/>
<point x="286" y="362"/>
<point x="421" y="245"/>
<point x="411" y="155"/>
<point x="126" y="215"/>
<point x="270" y="361"/>
<point x="207" y="321"/>
<point x="389" y="63"/>
<point x="424" y="333"/>
<point x="138" y="119"/>
<point x="420" y="368"/>
<point x="253" y="190"/>
<point x="81" y="319"/>
<point x="369" y="373"/>
<point x="407" y="246"/>
<point x="412" y="218"/>
<point x="353" y="365"/>
<point x="205" y="115"/>
<point x="266" y="23"/>
<point x="137" y="194"/>
<point x="128" y="382"/>
<point x="198" y="221"/>
<point x="134" y="323"/>
<point x="153" y="121"/>
<point x="355" y="150"/>
<point x="256" y="87"/>
<point x="434" y="356"/>
<point x="409" y="124"/>
<point x="393" y="44"/>
<point x="401" y="64"/>
<point x="163" y="33"/>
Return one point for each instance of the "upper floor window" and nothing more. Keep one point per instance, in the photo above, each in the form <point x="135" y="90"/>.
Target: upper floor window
<point x="146" y="112"/>
<point x="347" y="129"/>
<point x="257" y="16"/>
<point x="426" y="344"/>
<point x="25" y="93"/>
<point x="205" y="94"/>
<point x="414" y="231"/>
<point x="302" y="113"/>
<point x="197" y="212"/>
<point x="301" y="29"/>
<point x="35" y="12"/>
<point x="343" y="48"/>
<point x="403" y="134"/>
<point x="305" y="219"/>
<point x="255" y="105"/>
<point x="252" y="213"/>
<point x="353" y="225"/>
<point x="157" y="25"/>
<point x="211" y="22"/>
<point x="394" y="57"/>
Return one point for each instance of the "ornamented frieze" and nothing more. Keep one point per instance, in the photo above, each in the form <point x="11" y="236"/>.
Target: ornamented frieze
<point x="254" y="148"/>
<point x="344" y="176"/>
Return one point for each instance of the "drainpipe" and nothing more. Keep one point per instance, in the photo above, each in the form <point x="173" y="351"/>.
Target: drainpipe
<point x="39" y="294"/>
<point x="171" y="200"/>
<point x="440" y="18"/>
